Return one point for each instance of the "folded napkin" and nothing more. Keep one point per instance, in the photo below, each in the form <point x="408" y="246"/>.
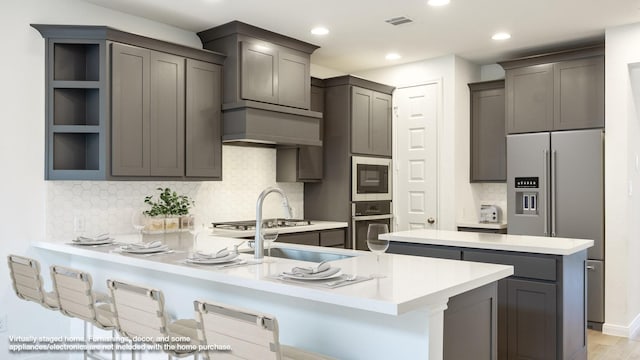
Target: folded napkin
<point x="217" y="255"/>
<point x="98" y="237"/>
<point x="150" y="245"/>
<point x="317" y="275"/>
<point x="323" y="266"/>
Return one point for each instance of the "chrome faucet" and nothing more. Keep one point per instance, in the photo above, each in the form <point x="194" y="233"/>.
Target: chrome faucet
<point x="259" y="240"/>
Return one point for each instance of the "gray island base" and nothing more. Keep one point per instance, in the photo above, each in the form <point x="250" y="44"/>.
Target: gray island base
<point x="541" y="307"/>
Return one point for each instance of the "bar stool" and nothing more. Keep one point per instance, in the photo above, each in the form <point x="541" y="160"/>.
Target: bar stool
<point x="250" y="334"/>
<point x="27" y="282"/>
<point x="77" y="299"/>
<point x="140" y="313"/>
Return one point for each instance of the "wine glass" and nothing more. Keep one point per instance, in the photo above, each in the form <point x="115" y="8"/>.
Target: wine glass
<point x="195" y="230"/>
<point x="139" y="221"/>
<point x="375" y="244"/>
<point x="269" y="235"/>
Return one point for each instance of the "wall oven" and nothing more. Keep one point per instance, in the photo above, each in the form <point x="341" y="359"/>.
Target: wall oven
<point x="365" y="213"/>
<point x="370" y="179"/>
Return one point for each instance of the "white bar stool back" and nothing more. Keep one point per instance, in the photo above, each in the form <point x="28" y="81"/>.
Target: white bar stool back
<point x="140" y="313"/>
<point x="250" y="334"/>
<point x="77" y="299"/>
<point x="27" y="282"/>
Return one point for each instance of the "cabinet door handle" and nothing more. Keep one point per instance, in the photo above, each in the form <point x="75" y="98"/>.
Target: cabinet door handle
<point x="591" y="267"/>
<point x="431" y="220"/>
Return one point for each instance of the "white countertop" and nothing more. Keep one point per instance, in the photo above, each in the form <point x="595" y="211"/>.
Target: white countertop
<point x="480" y="225"/>
<point x="519" y="243"/>
<point x="315" y="226"/>
<point x="411" y="282"/>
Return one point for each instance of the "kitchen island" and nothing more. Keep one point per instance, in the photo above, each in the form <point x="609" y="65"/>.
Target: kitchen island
<point x="542" y="307"/>
<point x="398" y="316"/>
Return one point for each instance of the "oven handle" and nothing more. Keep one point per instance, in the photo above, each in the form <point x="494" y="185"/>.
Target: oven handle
<point x="372" y="217"/>
<point x="364" y="218"/>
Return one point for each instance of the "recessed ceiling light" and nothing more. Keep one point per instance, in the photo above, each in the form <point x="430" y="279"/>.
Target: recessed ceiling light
<point x="501" y="36"/>
<point x="438" y="2"/>
<point x="392" y="56"/>
<point x="320" y="30"/>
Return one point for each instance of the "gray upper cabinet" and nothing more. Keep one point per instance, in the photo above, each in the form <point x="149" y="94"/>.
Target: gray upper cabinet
<point x="275" y="75"/>
<point x="530" y="99"/>
<point x="370" y="122"/>
<point x="557" y="91"/>
<point x="488" y="142"/>
<point x="147" y="112"/>
<point x="130" y="110"/>
<point x="126" y="107"/>
<point x="259" y="72"/>
<point x="203" y="120"/>
<point x="579" y="88"/>
<point x="262" y="65"/>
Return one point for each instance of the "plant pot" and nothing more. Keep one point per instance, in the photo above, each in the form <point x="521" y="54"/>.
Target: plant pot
<point x="186" y="222"/>
<point x="172" y="224"/>
<point x="154" y="224"/>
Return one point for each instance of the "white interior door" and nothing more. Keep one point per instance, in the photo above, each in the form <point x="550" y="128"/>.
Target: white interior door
<point x="416" y="153"/>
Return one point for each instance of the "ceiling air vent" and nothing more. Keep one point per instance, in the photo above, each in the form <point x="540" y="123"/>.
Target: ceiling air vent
<point x="399" y="20"/>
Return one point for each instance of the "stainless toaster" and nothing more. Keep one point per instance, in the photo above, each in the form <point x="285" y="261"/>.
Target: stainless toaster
<point x="489" y="214"/>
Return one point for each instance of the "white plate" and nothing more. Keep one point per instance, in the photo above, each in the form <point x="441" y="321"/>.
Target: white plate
<point x="297" y="277"/>
<point x="204" y="260"/>
<point x="141" y="250"/>
<point x="92" y="242"/>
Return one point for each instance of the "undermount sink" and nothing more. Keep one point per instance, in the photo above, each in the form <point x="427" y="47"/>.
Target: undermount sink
<point x="302" y="255"/>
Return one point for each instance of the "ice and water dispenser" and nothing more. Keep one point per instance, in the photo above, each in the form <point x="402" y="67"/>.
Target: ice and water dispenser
<point x="527" y="195"/>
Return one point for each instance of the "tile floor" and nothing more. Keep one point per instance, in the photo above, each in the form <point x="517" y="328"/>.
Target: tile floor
<point x="605" y="347"/>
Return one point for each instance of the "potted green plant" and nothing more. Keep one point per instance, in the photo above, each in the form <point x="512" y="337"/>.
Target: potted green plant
<point x="166" y="212"/>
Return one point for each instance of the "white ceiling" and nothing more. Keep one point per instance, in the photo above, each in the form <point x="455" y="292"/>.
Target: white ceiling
<point x="360" y="37"/>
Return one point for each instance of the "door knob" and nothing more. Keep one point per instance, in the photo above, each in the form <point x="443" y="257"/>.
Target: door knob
<point x="431" y="220"/>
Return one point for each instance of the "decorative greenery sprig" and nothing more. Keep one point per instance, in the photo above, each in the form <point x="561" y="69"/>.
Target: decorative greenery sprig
<point x="170" y="203"/>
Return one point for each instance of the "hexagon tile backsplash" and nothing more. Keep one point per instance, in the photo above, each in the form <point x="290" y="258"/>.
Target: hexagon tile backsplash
<point x="107" y="206"/>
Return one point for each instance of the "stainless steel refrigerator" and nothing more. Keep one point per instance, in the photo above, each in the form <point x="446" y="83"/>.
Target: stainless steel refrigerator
<point x="555" y="188"/>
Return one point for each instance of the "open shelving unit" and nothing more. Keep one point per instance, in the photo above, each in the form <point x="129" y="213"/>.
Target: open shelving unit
<point x="76" y="96"/>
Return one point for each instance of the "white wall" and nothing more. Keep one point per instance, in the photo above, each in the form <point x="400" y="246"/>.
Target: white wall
<point x="622" y="182"/>
<point x="454" y="73"/>
<point x="30" y="202"/>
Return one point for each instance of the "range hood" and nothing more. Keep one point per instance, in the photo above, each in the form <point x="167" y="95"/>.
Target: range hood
<point x="267" y="85"/>
<point x="255" y="122"/>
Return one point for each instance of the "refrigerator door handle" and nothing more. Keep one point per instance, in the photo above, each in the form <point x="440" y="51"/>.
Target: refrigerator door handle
<point x="545" y="153"/>
<point x="553" y="193"/>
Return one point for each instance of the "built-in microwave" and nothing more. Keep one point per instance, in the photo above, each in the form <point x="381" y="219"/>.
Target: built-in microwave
<point x="370" y="178"/>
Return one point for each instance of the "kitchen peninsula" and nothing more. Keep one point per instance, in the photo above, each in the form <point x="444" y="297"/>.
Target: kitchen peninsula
<point x="398" y="316"/>
<point x="542" y="307"/>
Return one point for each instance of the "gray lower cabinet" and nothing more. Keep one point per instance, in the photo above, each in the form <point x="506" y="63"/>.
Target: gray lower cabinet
<point x="370" y="122"/>
<point x="326" y="238"/>
<point x="470" y="329"/>
<point x="531" y="320"/>
<point x="488" y="141"/>
<point x="556" y="91"/>
<point x="541" y="308"/>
